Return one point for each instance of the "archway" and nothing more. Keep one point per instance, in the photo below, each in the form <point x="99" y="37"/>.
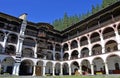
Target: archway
<point x="65" y="69"/>
<point x="84" y="52"/>
<point x="83" y="41"/>
<point x="96" y="49"/>
<point x="7" y="65"/>
<point x="86" y="68"/>
<point x="113" y="62"/>
<point x="74" y="68"/>
<point x="74" y="54"/>
<point x="39" y="68"/>
<point x="49" y="68"/>
<point x="65" y="56"/>
<point x="27" y="52"/>
<point x="65" y="47"/>
<point x="57" y="68"/>
<point x="74" y="44"/>
<point x="99" y="67"/>
<point x="26" y="67"/>
<point x="111" y="46"/>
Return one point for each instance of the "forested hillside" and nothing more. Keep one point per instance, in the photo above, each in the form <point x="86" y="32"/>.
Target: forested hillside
<point x="62" y="23"/>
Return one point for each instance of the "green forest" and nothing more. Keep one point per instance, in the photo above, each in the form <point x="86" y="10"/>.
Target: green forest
<point x="66" y="21"/>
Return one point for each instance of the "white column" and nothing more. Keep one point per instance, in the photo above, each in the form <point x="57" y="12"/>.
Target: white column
<point x="106" y="68"/>
<point x="69" y="47"/>
<point x="89" y="46"/>
<point x="92" y="69"/>
<point x="78" y="41"/>
<point x="34" y="69"/>
<point x="54" y="52"/>
<point x="117" y="38"/>
<point x="43" y="70"/>
<point x="4" y="43"/>
<point x="53" y="71"/>
<point x="69" y="70"/>
<point x="69" y="56"/>
<point x="80" y="69"/>
<point x="16" y="69"/>
<point x="61" y="52"/>
<point x="35" y="53"/>
<point x="102" y="43"/>
<point x="61" y="70"/>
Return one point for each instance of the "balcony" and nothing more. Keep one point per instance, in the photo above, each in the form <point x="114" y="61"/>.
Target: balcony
<point x="83" y="43"/>
<point x="108" y="35"/>
<point x="31" y="33"/>
<point x="28" y="43"/>
<point x="95" y="39"/>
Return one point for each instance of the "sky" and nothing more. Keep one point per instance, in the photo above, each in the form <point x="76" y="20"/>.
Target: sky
<point x="46" y="10"/>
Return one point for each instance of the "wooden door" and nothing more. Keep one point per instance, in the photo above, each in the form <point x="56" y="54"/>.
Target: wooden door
<point x="38" y="71"/>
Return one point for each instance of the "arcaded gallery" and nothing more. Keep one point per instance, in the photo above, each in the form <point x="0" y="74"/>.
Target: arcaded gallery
<point x="90" y="46"/>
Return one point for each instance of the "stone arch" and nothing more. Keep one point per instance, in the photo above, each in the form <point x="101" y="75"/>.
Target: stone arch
<point x="65" y="56"/>
<point x="111" y="61"/>
<point x="111" y="46"/>
<point x="49" y="68"/>
<point x="26" y="67"/>
<point x="49" y="55"/>
<point x="57" y="68"/>
<point x="10" y="50"/>
<point x="7" y="65"/>
<point x="58" y="47"/>
<point x="96" y="49"/>
<point x="83" y="41"/>
<point x="108" y="32"/>
<point x="74" y="44"/>
<point x="12" y="38"/>
<point x="94" y="37"/>
<point x="85" y="66"/>
<point x="57" y="56"/>
<point x="99" y="67"/>
<point x="65" y="68"/>
<point x="29" y="42"/>
<point x="27" y="52"/>
<point x="74" y="54"/>
<point x="39" y="68"/>
<point x="65" y="47"/>
<point x="74" y="68"/>
<point x="84" y="52"/>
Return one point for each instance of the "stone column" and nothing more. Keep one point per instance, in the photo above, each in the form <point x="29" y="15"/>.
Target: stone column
<point x="90" y="48"/>
<point x="106" y="68"/>
<point x="117" y="38"/>
<point x="102" y="43"/>
<point x="61" y="52"/>
<point x="78" y="41"/>
<point x="61" y="70"/>
<point x="80" y="69"/>
<point x="53" y="71"/>
<point x="34" y="69"/>
<point x="35" y="53"/>
<point x="16" y="69"/>
<point x="92" y="69"/>
<point x="43" y="70"/>
<point x="4" y="43"/>
<point x="69" y="70"/>
<point x="54" y="52"/>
